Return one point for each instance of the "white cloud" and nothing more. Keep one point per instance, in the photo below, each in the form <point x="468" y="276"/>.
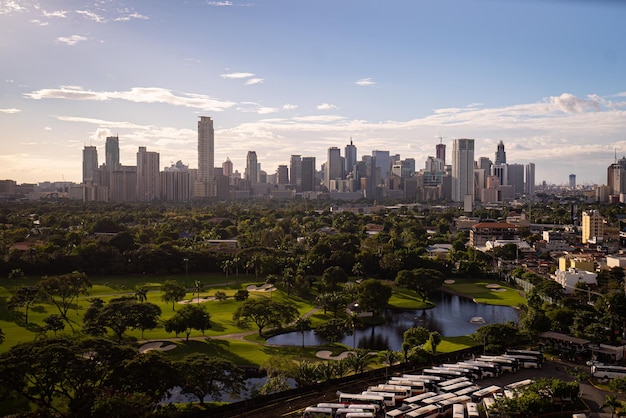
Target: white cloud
<point x="365" y="82"/>
<point x="290" y="106"/>
<point x="39" y="22"/>
<point x="326" y="106"/>
<point x="251" y="107"/>
<point x="71" y="40"/>
<point x="10" y="111"/>
<point x="56" y="13"/>
<point x="571" y="104"/>
<point x="10" y="6"/>
<point x="47" y="128"/>
<point x="137" y="95"/>
<point x="220" y="3"/>
<point x="91" y="16"/>
<point x="130" y="16"/>
<point x="253" y="81"/>
<point x="237" y="75"/>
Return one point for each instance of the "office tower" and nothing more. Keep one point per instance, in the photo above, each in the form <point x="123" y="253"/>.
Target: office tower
<point x="529" y="180"/>
<point x="440" y="152"/>
<point x="334" y="167"/>
<point x="295" y="172"/>
<point x="462" y="169"/>
<point x="500" y="154"/>
<point x="502" y="172"/>
<point x="408" y="167"/>
<point x="90" y="163"/>
<point x="383" y="164"/>
<point x="148" y="178"/>
<point x="112" y="153"/>
<point x="350" y="156"/>
<point x="123" y="187"/>
<point x="227" y="168"/>
<point x="206" y="157"/>
<point x="282" y="174"/>
<point x="308" y="174"/>
<point x="516" y="177"/>
<point x="592" y="227"/>
<point x="572" y="181"/>
<point x="252" y="168"/>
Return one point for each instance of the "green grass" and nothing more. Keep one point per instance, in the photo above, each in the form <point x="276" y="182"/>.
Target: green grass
<point x="479" y="291"/>
<point x="407" y="299"/>
<point x="451" y="344"/>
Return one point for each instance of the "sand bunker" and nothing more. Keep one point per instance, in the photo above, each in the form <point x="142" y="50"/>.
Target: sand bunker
<point x="448" y="281"/>
<point x="328" y="355"/>
<point x="158" y="346"/>
<point x="493" y="286"/>
<point x="263" y="288"/>
<point x="196" y="300"/>
<point x="498" y="290"/>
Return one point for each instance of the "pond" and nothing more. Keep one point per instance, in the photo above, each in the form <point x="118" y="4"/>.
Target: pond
<point x="452" y="316"/>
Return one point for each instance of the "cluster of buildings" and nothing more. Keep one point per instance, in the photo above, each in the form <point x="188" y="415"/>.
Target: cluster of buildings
<point x="380" y="175"/>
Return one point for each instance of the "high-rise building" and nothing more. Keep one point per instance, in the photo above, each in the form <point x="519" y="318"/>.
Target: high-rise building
<point x="308" y="174"/>
<point x="334" y="167"/>
<point x="90" y="163"/>
<point x="295" y="172"/>
<point x="529" y="180"/>
<point x="350" y="157"/>
<point x="500" y="154"/>
<point x="227" y="168"/>
<point x="572" y="181"/>
<point x="462" y="169"/>
<point x="206" y="158"/>
<point x="592" y="227"/>
<point x="112" y="153"/>
<point x="501" y="171"/>
<point x="283" y="174"/>
<point x="148" y="178"/>
<point x="383" y="164"/>
<point x="516" y="177"/>
<point x="440" y="152"/>
<point x="176" y="183"/>
<point x="252" y="168"/>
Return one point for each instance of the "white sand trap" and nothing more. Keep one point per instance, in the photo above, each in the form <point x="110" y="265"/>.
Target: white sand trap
<point x="493" y="286"/>
<point x="263" y="288"/>
<point x="157" y="345"/>
<point x="328" y="355"/>
<point x="196" y="300"/>
<point x="448" y="281"/>
<point x="498" y="290"/>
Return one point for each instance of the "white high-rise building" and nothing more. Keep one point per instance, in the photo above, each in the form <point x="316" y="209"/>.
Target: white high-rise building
<point x="529" y="180"/>
<point x="206" y="158"/>
<point x="148" y="178"/>
<point x="462" y="169"/>
<point x="90" y="163"/>
<point x="295" y="171"/>
<point x="334" y="167"/>
<point x="252" y="168"/>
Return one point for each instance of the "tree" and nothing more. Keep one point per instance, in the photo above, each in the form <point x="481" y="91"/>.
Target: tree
<point x="332" y="276"/>
<point x="421" y="280"/>
<point x="188" y="318"/>
<point x="16" y="275"/>
<point x="414" y="337"/>
<point x="358" y="360"/>
<point x="120" y="314"/>
<point x="64" y="290"/>
<point x="497" y="337"/>
<point x="220" y="295"/>
<point x="373" y="295"/>
<point x="141" y="294"/>
<point x="1" y="336"/>
<point x="352" y="322"/>
<point x="172" y="292"/>
<point x="241" y="295"/>
<point x="201" y="375"/>
<point x="434" y="339"/>
<point x="331" y="301"/>
<point x="25" y="297"/>
<point x="264" y="312"/>
<point x="331" y="331"/>
<point x="612" y="402"/>
<point x="54" y="323"/>
<point x="303" y="324"/>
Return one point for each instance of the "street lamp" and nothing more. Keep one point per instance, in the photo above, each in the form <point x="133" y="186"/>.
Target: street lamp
<point x="186" y="260"/>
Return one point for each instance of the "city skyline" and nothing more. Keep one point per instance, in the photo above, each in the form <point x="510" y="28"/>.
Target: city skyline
<point x="284" y="79"/>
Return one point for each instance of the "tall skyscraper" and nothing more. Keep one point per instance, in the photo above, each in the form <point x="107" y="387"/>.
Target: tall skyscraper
<point x="516" y="177"/>
<point x="252" y="168"/>
<point x="462" y="169"/>
<point x="350" y="157"/>
<point x="334" y="167"/>
<point x="227" y="168"/>
<point x="295" y="172"/>
<point x="148" y="178"/>
<point x="500" y="154"/>
<point x="90" y="163"/>
<point x="308" y="174"/>
<point x="572" y="181"/>
<point x="529" y="180"/>
<point x="112" y="153"/>
<point x="283" y="174"/>
<point x="383" y="164"/>
<point x="206" y="157"/>
<point x="440" y="152"/>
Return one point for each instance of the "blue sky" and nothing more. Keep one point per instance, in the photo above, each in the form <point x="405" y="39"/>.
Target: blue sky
<point x="286" y="77"/>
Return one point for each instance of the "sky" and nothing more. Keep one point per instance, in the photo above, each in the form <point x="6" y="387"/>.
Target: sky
<point x="283" y="77"/>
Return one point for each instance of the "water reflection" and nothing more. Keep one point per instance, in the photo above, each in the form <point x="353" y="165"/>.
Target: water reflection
<point x="451" y="317"/>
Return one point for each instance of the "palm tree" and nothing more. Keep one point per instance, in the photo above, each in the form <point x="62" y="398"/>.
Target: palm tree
<point x="612" y="402"/>
<point x="141" y="294"/>
<point x="358" y="360"/>
<point x="352" y="322"/>
<point x="303" y="324"/>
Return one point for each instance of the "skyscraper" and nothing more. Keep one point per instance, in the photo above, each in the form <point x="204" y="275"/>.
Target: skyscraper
<point x="112" y="153"/>
<point x="529" y="180"/>
<point x="516" y="177"/>
<point x="206" y="157"/>
<point x="90" y="163"/>
<point x="350" y="157"/>
<point x="500" y="154"/>
<point x="462" y="169"/>
<point x="252" y="168"/>
<point x="148" y="178"/>
<point x="295" y="172"/>
<point x="308" y="174"/>
<point x="334" y="167"/>
<point x="382" y="164"/>
<point x="440" y="152"/>
<point x="283" y="174"/>
<point x="572" y="181"/>
<point x="227" y="168"/>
